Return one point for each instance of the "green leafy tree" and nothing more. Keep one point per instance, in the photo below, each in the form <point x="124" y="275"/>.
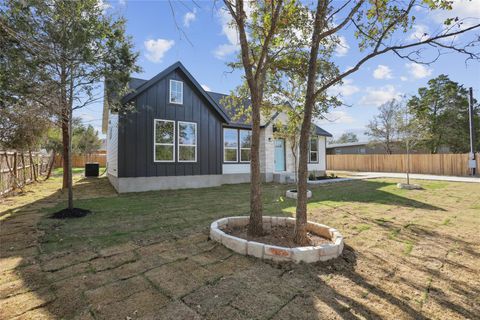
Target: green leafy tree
<point x="374" y="23"/>
<point x="346" y="137"/>
<point x="69" y="47"/>
<point x="262" y="36"/>
<point x="88" y="140"/>
<point x="441" y="109"/>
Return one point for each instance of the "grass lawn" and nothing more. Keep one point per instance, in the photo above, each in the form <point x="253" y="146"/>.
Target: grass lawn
<point x="408" y="254"/>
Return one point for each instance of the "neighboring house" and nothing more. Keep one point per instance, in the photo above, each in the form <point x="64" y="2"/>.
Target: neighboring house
<point x="354" y="148"/>
<point x="373" y="148"/>
<point x="181" y="136"/>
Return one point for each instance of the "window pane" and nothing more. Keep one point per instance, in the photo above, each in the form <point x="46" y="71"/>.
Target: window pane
<point x="245" y="138"/>
<point x="186" y="153"/>
<point x="245" y="155"/>
<point x="313" y="157"/>
<point x="164" y="131"/>
<point x="176" y="91"/>
<point x="230" y="138"/>
<point x="163" y="153"/>
<point x="187" y="133"/>
<point x="313" y="144"/>
<point x="230" y="154"/>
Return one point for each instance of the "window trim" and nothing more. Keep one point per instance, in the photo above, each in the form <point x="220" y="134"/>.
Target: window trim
<point x="155" y="144"/>
<point x="310" y="151"/>
<point x="230" y="148"/>
<point x="170" y="92"/>
<point x="186" y="145"/>
<point x="240" y="146"/>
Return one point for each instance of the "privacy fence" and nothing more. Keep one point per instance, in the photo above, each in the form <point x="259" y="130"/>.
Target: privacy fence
<point x="80" y="160"/>
<point x="439" y="164"/>
<point x="18" y="169"/>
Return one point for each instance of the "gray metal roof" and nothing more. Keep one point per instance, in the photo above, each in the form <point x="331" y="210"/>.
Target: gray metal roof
<point x="232" y="111"/>
<point x="134" y="83"/>
<point x="348" y="144"/>
<point x="321" y="132"/>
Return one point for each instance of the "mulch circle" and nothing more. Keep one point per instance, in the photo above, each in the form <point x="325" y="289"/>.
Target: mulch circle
<point x="74" y="213"/>
<point x="278" y="236"/>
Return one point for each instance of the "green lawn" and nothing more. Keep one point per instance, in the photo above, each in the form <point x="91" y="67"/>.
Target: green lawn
<point x="59" y="171"/>
<point x="166" y="214"/>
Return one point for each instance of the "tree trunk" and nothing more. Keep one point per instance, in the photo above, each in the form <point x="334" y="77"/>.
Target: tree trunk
<point x="300" y="236"/>
<point x="255" y="227"/>
<point x="50" y="167"/>
<point x="70" y="180"/>
<point x="65" y="153"/>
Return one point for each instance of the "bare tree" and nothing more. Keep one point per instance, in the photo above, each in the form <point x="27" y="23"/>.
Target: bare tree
<point x="385" y="128"/>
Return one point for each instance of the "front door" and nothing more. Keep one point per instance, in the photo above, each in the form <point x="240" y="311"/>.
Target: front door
<point x="279" y="155"/>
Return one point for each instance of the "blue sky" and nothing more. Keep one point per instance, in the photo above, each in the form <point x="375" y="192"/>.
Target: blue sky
<point x="155" y="35"/>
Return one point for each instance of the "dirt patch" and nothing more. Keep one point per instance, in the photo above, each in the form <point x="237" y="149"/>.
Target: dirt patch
<point x="278" y="236"/>
<point x="67" y="213"/>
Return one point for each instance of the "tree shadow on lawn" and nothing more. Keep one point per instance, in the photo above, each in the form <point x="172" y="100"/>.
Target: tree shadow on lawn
<point x="29" y="263"/>
<point x="367" y="191"/>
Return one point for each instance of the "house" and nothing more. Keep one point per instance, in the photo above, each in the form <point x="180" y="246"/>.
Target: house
<point x="355" y="148"/>
<point x="181" y="136"/>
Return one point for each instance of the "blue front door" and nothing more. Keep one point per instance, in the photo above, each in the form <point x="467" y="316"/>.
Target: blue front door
<point x="279" y="155"/>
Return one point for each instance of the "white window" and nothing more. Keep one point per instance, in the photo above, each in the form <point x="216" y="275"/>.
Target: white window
<point x="176" y="92"/>
<point x="313" y="149"/>
<point x="164" y="140"/>
<point x="230" y="145"/>
<point x="245" y="145"/>
<point x="187" y="141"/>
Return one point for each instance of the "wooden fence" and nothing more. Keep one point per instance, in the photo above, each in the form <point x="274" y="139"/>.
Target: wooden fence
<point x="439" y="164"/>
<point x="17" y="169"/>
<point x="80" y="160"/>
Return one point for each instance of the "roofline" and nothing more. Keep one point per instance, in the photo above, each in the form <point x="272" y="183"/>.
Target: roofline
<point x="162" y="74"/>
<point x="349" y="144"/>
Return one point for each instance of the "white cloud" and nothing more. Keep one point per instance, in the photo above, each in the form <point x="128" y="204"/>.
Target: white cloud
<point x="463" y="9"/>
<point x="346" y="89"/>
<point x="342" y="47"/>
<point x="87" y="117"/>
<point x="224" y="50"/>
<point x="336" y="117"/>
<point x="382" y="72"/>
<point x="418" y="71"/>
<point x="189" y="17"/>
<point x="123" y="3"/>
<point x="103" y="5"/>
<point x="206" y="88"/>
<point x="156" y="49"/>
<point x="229" y="30"/>
<point x="419" y="31"/>
<point x="378" y="96"/>
<point x="403" y="78"/>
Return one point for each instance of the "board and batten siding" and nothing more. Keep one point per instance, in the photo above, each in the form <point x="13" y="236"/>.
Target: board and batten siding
<point x="136" y="141"/>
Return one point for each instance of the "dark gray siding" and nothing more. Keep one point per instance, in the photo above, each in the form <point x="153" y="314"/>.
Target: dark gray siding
<point x="135" y="145"/>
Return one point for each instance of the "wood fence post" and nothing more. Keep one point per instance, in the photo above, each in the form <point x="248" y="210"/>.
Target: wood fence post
<point x="15" y="165"/>
<point x="22" y="157"/>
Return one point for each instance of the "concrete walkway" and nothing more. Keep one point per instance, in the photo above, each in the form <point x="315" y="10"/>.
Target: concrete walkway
<point x="371" y="175"/>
